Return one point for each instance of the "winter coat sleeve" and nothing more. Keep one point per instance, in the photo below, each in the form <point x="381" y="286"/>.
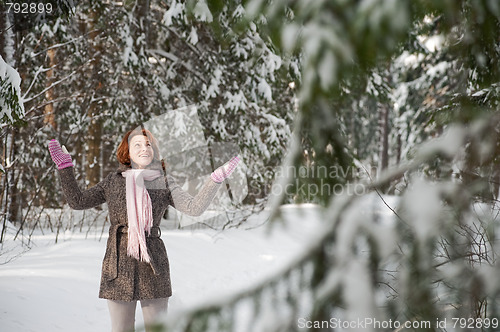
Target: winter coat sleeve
<point x="77" y="199"/>
<point x="193" y="206"/>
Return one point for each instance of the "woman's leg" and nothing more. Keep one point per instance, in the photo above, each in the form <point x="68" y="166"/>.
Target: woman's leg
<point x="152" y="309"/>
<point x="122" y="315"/>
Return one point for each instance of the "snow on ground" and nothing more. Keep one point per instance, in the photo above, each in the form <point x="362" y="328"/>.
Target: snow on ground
<point x="54" y="287"/>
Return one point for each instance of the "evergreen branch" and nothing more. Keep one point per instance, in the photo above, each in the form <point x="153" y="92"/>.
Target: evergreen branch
<point x="47" y="88"/>
<point x="63" y="44"/>
<point x="177" y="61"/>
<point x="38" y="72"/>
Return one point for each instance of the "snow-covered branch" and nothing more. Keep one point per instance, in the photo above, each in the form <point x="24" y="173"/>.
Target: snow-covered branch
<point x="47" y="88"/>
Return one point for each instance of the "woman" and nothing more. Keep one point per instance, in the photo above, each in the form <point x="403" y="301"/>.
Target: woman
<point x="135" y="266"/>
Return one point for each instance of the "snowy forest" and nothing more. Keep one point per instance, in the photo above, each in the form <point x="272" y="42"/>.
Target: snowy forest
<point x="380" y="116"/>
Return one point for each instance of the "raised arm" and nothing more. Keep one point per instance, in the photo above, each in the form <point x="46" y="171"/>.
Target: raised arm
<point x="195" y="206"/>
<point x="76" y="198"/>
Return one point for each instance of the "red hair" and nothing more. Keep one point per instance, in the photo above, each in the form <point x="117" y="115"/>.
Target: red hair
<point x="123" y="155"/>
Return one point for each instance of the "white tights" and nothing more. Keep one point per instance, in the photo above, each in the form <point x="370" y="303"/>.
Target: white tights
<point x="123" y="313"/>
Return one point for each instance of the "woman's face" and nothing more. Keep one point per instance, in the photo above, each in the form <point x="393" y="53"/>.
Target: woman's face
<point x="140" y="151"/>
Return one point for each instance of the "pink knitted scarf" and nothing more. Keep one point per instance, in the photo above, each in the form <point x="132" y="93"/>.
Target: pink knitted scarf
<point x="139" y="211"/>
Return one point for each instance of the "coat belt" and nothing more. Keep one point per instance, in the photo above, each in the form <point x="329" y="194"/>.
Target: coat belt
<point x="155" y="231"/>
<point x="114" y="232"/>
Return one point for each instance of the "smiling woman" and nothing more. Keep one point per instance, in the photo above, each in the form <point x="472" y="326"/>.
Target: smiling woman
<point x="138" y="149"/>
<point x="141" y="152"/>
<point x="135" y="266"/>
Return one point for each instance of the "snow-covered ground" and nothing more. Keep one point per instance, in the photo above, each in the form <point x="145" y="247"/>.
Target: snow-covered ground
<point x="54" y="287"/>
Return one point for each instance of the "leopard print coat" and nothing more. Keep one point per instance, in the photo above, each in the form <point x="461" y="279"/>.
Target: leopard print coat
<point x="123" y="277"/>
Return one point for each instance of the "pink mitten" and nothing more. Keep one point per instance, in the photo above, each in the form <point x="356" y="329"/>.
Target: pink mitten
<point x="59" y="156"/>
<point x="223" y="172"/>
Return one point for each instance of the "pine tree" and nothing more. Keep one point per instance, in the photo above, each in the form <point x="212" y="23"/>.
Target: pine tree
<point x="434" y="253"/>
<point x="118" y="65"/>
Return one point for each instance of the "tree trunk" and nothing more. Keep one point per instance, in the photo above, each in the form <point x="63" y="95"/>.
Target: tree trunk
<point x="13" y="199"/>
<point x="140" y="31"/>
<point x="3" y="132"/>
<point x="9" y="192"/>
<point x="93" y="160"/>
<point x="384" y="137"/>
<point x="384" y="141"/>
<point x="93" y="165"/>
<point x="49" y="116"/>
<point x="399" y="149"/>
